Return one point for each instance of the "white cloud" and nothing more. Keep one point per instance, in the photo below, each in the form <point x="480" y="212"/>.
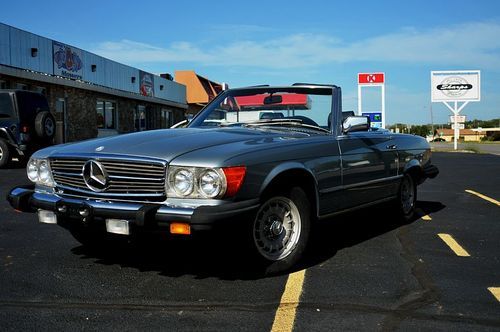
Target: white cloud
<point x="471" y="44"/>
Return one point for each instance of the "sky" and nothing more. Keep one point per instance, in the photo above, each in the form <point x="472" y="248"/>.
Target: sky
<point x="281" y="42"/>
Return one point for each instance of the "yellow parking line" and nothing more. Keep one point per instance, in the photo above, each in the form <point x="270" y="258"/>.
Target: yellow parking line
<point x="423" y="216"/>
<point x="426" y="217"/>
<point x="450" y="241"/>
<point x="285" y="315"/>
<point x="496" y="292"/>
<point x="489" y="199"/>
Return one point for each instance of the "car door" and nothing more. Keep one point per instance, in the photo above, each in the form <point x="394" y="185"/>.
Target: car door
<point x="369" y="167"/>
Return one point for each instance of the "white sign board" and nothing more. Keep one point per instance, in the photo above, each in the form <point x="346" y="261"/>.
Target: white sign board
<point x="459" y="126"/>
<point x="463" y="85"/>
<point x="457" y="118"/>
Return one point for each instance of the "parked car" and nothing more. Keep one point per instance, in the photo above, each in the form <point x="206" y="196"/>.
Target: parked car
<point x="26" y="124"/>
<point x="273" y="177"/>
<point x="438" y="139"/>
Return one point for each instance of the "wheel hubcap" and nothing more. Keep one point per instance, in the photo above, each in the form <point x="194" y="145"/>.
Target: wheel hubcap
<point x="407" y="195"/>
<point x="49" y="127"/>
<point x="276" y="228"/>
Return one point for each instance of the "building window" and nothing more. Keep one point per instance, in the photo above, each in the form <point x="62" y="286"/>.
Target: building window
<point x="40" y="89"/>
<point x="21" y="86"/>
<point x="106" y="115"/>
<point x="3" y="85"/>
<point x="166" y="118"/>
<point x="140" y="118"/>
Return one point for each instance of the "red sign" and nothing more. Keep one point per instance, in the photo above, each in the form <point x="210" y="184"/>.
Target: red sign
<point x="371" y="78"/>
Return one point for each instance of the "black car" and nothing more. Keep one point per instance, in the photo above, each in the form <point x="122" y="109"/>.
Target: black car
<point x="267" y="180"/>
<point x="26" y="124"/>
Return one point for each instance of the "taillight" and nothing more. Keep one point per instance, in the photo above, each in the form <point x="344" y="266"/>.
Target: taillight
<point x="234" y="178"/>
<point x="25" y="129"/>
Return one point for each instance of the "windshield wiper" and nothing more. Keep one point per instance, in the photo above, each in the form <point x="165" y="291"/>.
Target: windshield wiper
<point x="284" y="122"/>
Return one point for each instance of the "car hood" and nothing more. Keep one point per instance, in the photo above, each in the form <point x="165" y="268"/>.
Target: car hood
<point x="167" y="144"/>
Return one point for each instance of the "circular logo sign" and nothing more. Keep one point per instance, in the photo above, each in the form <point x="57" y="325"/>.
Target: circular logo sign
<point x="95" y="176"/>
<point x="454" y="86"/>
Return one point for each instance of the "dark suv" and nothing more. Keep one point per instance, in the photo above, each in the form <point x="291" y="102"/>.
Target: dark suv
<point x="26" y="124"/>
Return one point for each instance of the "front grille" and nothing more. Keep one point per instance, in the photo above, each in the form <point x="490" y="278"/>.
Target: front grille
<point x="142" y="180"/>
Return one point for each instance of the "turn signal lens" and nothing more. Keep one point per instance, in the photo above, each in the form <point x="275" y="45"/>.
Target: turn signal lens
<point x="180" y="228"/>
<point x="234" y="177"/>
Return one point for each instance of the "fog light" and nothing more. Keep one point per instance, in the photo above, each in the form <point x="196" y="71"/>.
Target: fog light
<point x="117" y="226"/>
<point x="47" y="217"/>
<point x="180" y="228"/>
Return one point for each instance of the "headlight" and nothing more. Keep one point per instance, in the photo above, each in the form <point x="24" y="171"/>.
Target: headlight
<point x="38" y="171"/>
<point x="211" y="183"/>
<point x="182" y="181"/>
<point x="32" y="170"/>
<point x="195" y="182"/>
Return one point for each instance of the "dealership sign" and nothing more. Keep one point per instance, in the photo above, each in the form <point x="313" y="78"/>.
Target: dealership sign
<point x="67" y="61"/>
<point x="456" y="85"/>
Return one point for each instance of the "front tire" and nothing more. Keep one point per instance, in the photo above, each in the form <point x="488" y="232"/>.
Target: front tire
<point x="4" y="154"/>
<point x="280" y="230"/>
<point x="407" y="197"/>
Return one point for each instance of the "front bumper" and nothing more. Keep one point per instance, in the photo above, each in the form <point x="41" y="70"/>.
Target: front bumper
<point x="146" y="216"/>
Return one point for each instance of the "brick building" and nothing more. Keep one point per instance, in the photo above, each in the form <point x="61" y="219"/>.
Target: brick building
<point x="90" y="96"/>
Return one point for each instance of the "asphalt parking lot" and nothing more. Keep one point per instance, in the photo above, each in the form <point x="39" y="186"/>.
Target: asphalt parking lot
<point x="365" y="271"/>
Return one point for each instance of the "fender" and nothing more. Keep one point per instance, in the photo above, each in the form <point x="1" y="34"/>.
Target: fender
<point x="411" y="164"/>
<point x="290" y="166"/>
<point x="5" y="133"/>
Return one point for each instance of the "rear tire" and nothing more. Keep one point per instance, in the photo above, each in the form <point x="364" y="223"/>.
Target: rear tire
<point x="280" y="230"/>
<point x="4" y="153"/>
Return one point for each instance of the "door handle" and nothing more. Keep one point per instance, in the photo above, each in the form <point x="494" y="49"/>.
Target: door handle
<point x="391" y="147"/>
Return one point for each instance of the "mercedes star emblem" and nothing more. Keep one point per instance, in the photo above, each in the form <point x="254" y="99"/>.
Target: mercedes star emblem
<point x="95" y="176"/>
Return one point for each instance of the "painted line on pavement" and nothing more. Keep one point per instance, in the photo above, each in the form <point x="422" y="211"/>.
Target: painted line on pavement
<point x="450" y="241"/>
<point x="285" y="315"/>
<point x="495" y="291"/>
<point x="423" y="216"/>
<point x="489" y="199"/>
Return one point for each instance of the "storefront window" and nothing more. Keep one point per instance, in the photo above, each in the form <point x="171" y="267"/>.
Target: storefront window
<point x="106" y="115"/>
<point x="140" y="118"/>
<point x="166" y="118"/>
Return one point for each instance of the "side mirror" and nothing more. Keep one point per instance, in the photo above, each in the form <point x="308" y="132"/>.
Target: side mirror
<point x="355" y="123"/>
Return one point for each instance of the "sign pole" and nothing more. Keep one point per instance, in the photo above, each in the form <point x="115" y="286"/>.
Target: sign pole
<point x="383" y="106"/>
<point x="359" y="100"/>
<point x="457" y="130"/>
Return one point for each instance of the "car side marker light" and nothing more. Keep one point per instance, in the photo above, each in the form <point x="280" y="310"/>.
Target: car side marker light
<point x="180" y="228"/>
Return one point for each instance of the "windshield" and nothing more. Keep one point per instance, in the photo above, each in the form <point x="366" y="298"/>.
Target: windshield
<point x="286" y="108"/>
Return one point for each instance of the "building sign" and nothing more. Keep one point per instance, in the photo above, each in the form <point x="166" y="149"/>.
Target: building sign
<point x="147" y="87"/>
<point x="455" y="86"/>
<point x="457" y="118"/>
<point x="375" y="119"/>
<point x="458" y="125"/>
<point x="67" y="61"/>
<point x="371" y="78"/>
